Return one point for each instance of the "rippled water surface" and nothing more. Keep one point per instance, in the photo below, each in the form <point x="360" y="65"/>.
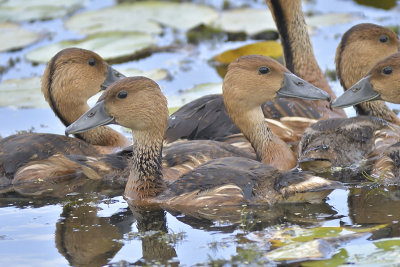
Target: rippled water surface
<point x="95" y="226"/>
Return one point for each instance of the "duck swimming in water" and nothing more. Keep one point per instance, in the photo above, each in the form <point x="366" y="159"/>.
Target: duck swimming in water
<point x="71" y="77"/>
<point x="137" y="103"/>
<point x="381" y="83"/>
<point x="347" y="142"/>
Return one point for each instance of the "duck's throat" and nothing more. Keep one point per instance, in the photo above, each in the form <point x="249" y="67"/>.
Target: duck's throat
<point x="145" y="178"/>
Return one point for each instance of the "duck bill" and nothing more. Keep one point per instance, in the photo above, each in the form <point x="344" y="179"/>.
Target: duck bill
<point x="112" y="76"/>
<point x="294" y="86"/>
<point x="360" y="92"/>
<point x="96" y="116"/>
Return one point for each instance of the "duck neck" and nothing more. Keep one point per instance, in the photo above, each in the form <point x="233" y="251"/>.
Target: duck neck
<point x="297" y="47"/>
<point x="256" y="130"/>
<point x="145" y="178"/>
<point x="69" y="108"/>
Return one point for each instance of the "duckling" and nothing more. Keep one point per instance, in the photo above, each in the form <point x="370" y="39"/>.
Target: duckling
<point x="381" y="83"/>
<point x="72" y="76"/>
<point x="138" y="103"/>
<point x="207" y="117"/>
<point x="346" y="142"/>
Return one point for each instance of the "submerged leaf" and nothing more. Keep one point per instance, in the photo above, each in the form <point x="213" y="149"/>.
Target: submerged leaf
<point x="14" y="36"/>
<point x="111" y="46"/>
<point x="267" y="48"/>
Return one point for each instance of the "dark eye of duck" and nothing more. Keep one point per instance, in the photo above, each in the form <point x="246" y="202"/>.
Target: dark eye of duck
<point x="122" y="95"/>
<point x="92" y="62"/>
<point x="263" y="70"/>
<point x="383" y="38"/>
<point x="387" y="70"/>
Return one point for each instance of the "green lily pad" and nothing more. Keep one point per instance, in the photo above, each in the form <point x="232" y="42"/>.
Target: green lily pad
<point x="156" y="74"/>
<point x="15" y="37"/>
<point x="115" y="46"/>
<point x="142" y="17"/>
<point x="266" y="48"/>
<point x="22" y="10"/>
<point x="193" y="93"/>
<point x="22" y="93"/>
<point x="250" y="21"/>
<point x="330" y="19"/>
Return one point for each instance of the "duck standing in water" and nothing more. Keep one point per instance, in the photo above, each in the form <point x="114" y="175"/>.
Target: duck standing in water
<point x="381" y="83"/>
<point x="347" y="142"/>
<point x="71" y="77"/>
<point x="137" y="103"/>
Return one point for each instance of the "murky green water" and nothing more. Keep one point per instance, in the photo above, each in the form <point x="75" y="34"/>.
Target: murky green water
<point x="359" y="225"/>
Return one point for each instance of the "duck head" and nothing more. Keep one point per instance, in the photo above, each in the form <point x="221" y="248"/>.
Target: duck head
<point x="381" y="83"/>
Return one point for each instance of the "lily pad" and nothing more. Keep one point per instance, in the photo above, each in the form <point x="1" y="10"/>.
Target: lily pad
<point x="330" y="19"/>
<point x="22" y="10"/>
<point x="266" y="48"/>
<point x="194" y="93"/>
<point x="15" y="37"/>
<point x="115" y="46"/>
<point x="142" y="17"/>
<point x="156" y="74"/>
<point x="22" y="93"/>
<point x="250" y="21"/>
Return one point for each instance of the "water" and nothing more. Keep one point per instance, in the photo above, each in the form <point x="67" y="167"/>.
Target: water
<point x="97" y="227"/>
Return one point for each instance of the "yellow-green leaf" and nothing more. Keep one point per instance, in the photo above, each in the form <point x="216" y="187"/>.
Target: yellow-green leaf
<point x="267" y="48"/>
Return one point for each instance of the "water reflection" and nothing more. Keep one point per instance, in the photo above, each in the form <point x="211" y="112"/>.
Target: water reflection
<point x="376" y="205"/>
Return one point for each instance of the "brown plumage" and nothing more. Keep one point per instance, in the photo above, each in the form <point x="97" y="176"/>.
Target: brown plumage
<point x="207" y="118"/>
<point x="72" y="76"/>
<point x="361" y="47"/>
<point x="138" y="103"/>
<point x="346" y="142"/>
<point x="382" y="82"/>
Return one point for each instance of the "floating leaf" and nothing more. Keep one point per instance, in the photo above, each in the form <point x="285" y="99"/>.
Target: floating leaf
<point x="14" y="36"/>
<point x="383" y="4"/>
<point x="194" y="93"/>
<point x="111" y="46"/>
<point x="22" y="93"/>
<point x="143" y="17"/>
<point x="330" y="19"/>
<point x="267" y="48"/>
<point x="156" y="74"/>
<point x="248" y="20"/>
<point x="22" y="10"/>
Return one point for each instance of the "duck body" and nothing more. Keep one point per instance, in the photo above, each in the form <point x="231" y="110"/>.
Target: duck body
<point x="345" y="143"/>
<point x="67" y="73"/>
<point x="235" y="180"/>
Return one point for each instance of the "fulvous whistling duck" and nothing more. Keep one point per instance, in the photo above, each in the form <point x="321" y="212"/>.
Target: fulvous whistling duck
<point x="71" y="77"/>
<point x="347" y="142"/>
<point x="207" y="117"/>
<point x="381" y="83"/>
<point x="138" y="103"/>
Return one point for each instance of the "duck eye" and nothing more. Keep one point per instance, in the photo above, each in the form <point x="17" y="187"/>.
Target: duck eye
<point x="92" y="62"/>
<point x="387" y="70"/>
<point x="122" y="95"/>
<point x="383" y="38"/>
<point x="263" y="70"/>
